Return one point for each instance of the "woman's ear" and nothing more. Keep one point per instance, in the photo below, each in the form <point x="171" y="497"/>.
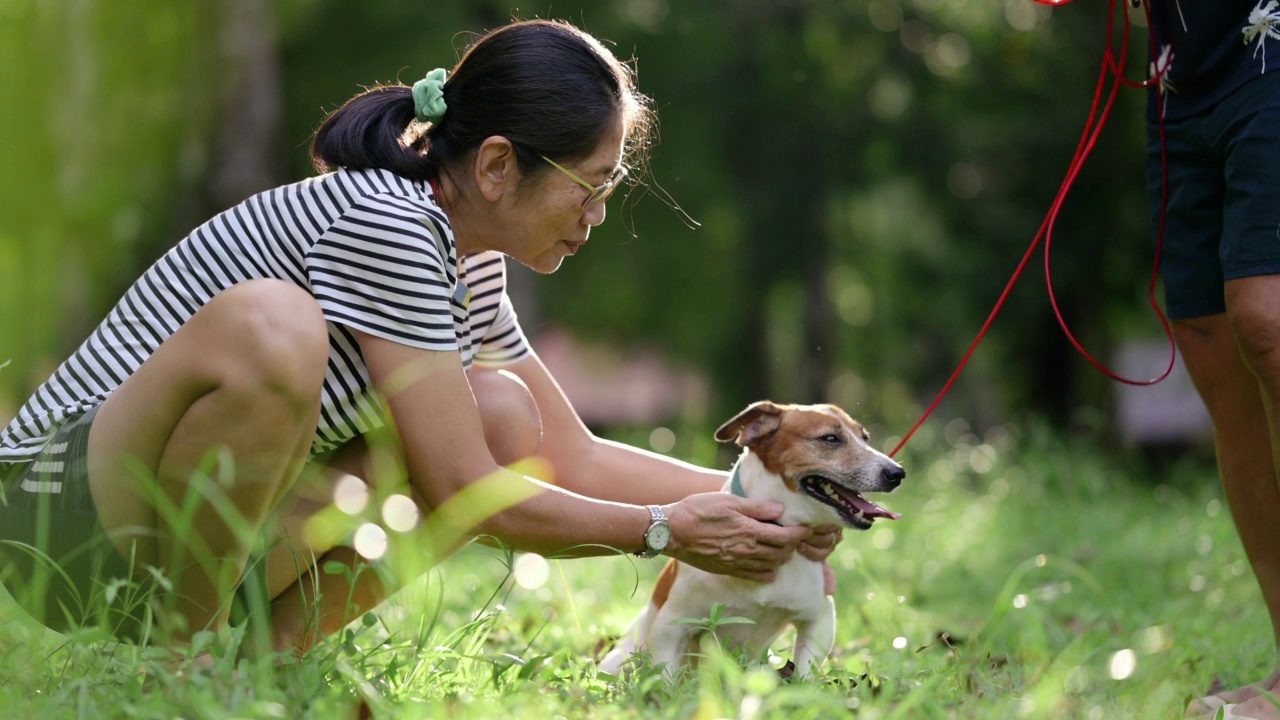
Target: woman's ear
<point x="497" y="172"/>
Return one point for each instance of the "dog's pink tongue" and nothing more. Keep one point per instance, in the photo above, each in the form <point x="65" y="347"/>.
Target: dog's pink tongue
<point x="868" y="508"/>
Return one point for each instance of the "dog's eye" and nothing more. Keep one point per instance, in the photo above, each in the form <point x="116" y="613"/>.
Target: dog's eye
<point x="831" y="438"/>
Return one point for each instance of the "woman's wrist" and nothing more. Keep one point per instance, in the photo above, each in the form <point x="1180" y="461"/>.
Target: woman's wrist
<point x="676" y="526"/>
<point x="657" y="534"/>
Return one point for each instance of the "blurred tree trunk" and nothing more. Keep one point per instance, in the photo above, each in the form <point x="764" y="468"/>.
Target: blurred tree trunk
<point x="819" y="316"/>
<point x="102" y="101"/>
<point x="789" y="243"/>
<point x="245" y="157"/>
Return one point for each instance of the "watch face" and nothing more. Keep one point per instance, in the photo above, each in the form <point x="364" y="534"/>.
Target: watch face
<point x="658" y="536"/>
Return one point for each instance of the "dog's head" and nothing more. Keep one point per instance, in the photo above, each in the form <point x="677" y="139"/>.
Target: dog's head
<point x="819" y="452"/>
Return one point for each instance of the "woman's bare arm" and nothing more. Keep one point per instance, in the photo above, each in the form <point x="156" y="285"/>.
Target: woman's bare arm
<point x="601" y="468"/>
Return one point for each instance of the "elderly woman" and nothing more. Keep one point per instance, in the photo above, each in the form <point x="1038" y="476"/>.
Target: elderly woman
<point x="287" y="330"/>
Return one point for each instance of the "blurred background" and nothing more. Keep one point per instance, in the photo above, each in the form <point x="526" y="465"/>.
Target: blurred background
<point x="865" y="176"/>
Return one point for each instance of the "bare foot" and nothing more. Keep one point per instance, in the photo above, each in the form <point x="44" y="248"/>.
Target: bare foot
<point x="1260" y="707"/>
<point x="1207" y="706"/>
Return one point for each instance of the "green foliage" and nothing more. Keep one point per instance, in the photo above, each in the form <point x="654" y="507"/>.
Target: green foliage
<point x="715" y="619"/>
<point x="106" y="106"/>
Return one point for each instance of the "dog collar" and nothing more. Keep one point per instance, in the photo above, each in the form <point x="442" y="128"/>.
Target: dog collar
<point x="735" y="487"/>
<point x="735" y="483"/>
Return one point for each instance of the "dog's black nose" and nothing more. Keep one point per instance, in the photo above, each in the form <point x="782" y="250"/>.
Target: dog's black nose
<point x="893" y="475"/>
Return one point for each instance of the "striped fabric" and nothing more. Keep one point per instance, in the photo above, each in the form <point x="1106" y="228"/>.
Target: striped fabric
<point x="373" y="248"/>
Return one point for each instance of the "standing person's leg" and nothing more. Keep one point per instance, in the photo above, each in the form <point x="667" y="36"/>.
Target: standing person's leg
<point x="1253" y="304"/>
<point x="1243" y="440"/>
<point x="305" y="609"/>
<point x="242" y="376"/>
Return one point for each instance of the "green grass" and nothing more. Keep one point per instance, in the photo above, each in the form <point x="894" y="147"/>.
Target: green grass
<point x="1026" y="575"/>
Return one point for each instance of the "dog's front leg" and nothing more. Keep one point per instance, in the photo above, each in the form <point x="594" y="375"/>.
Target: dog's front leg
<point x="668" y="642"/>
<point x="814" y="639"/>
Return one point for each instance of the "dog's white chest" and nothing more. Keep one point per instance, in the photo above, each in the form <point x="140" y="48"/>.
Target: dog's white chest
<point x="796" y="597"/>
<point x="798" y="588"/>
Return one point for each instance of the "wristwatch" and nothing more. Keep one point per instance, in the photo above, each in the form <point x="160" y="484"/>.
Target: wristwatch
<point x="658" y="534"/>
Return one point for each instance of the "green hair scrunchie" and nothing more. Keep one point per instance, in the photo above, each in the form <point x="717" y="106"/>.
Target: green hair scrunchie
<point x="428" y="97"/>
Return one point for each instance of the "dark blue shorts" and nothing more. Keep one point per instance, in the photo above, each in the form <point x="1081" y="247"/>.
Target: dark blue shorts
<point x="57" y="560"/>
<point x="1223" y="216"/>
<point x="55" y="557"/>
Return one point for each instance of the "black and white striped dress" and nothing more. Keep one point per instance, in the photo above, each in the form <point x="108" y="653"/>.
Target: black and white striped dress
<point x="373" y="248"/>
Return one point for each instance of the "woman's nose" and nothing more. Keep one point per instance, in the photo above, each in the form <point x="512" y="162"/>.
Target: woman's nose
<point x="594" y="214"/>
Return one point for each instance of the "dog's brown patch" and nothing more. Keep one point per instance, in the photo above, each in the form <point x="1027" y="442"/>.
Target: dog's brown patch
<point x="665" y="580"/>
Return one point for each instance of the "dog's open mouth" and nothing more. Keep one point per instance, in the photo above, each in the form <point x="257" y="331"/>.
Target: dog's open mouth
<point x="854" y="509"/>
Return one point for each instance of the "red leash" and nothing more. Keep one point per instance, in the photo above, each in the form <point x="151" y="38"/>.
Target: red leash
<point x="1083" y="149"/>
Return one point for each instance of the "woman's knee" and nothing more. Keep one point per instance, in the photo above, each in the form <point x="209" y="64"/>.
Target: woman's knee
<point x="512" y="423"/>
<point x="268" y="335"/>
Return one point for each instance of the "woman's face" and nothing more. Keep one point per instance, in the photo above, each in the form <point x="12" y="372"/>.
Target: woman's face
<point x="550" y="222"/>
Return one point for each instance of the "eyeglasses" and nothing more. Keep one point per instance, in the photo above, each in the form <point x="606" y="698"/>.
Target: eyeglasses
<point x="599" y="193"/>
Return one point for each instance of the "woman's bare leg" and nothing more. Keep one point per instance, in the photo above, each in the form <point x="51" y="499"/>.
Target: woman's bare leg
<point x="1233" y="361"/>
<point x="318" y="604"/>
<point x="1253" y="307"/>
<point x="242" y="376"/>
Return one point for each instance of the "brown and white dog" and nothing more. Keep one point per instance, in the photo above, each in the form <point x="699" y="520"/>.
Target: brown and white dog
<point x="815" y="460"/>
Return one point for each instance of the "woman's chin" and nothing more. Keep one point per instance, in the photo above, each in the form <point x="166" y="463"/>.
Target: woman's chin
<point x="544" y="264"/>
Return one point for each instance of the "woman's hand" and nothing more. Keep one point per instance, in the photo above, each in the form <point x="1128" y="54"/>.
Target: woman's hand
<point x="730" y="535"/>
<point x="818" y="546"/>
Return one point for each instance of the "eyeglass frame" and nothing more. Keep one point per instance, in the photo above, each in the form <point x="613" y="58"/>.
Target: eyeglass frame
<point x="599" y="193"/>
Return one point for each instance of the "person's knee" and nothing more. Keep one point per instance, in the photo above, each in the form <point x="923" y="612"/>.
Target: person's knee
<point x="1257" y="333"/>
<point x="1253" y="307"/>
<point x="273" y="339"/>
<point x="1208" y="347"/>
<point x="1210" y="333"/>
<point x="512" y="423"/>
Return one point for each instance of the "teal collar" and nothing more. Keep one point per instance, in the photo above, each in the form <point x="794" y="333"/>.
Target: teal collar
<point x="735" y="482"/>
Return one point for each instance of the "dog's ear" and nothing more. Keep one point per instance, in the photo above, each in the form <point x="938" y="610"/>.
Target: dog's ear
<point x="752" y="425"/>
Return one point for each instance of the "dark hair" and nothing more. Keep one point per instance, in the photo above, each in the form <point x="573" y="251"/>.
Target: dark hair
<point x="546" y="86"/>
